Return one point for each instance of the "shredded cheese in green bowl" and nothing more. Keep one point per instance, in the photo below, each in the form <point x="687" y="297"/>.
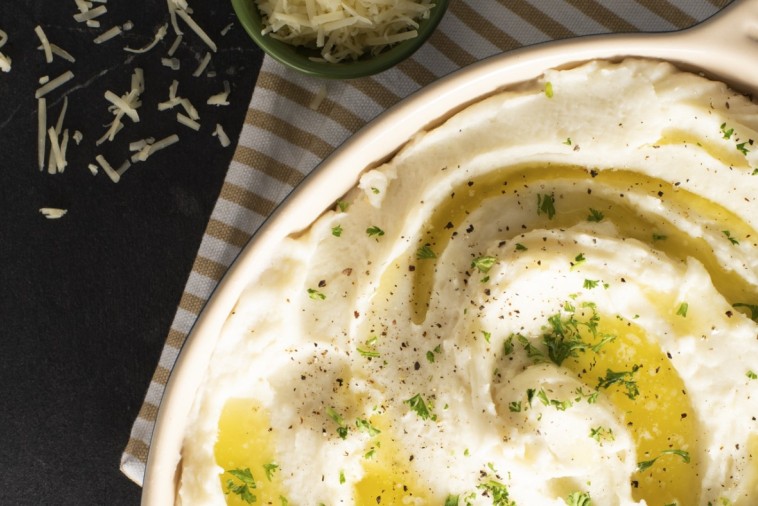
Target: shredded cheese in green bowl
<point x="340" y="39"/>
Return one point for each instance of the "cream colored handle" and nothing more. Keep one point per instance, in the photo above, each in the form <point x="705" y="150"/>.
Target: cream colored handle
<point x="727" y="43"/>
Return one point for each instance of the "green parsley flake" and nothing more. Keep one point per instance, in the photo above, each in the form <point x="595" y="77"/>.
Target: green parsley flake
<point x="451" y="500"/>
<point x="595" y="216"/>
<point x="270" y="469"/>
<point x="498" y="492"/>
<point x="751" y="374"/>
<point x="487" y="335"/>
<point x="742" y="148"/>
<point x="374" y="231"/>
<point x="659" y="237"/>
<point x="726" y="133"/>
<point x="579" y="499"/>
<point x="682" y="310"/>
<point x="342" y="477"/>
<point x="425" y="253"/>
<point x="567" y="142"/>
<point x="546" y="205"/>
<point x="342" y="205"/>
<point x="370" y="350"/>
<point x="520" y="247"/>
<point x="623" y="379"/>
<point x="578" y="260"/>
<point x="646" y="464"/>
<point x="729" y="236"/>
<point x="508" y="345"/>
<point x="601" y="433"/>
<point x="589" y="284"/>
<point x="750" y="307"/>
<point x="337" y="418"/>
<point x="337" y="231"/>
<point x="366" y="427"/>
<point x="483" y="264"/>
<point x="514" y="407"/>
<point x="243" y="489"/>
<point x="315" y="294"/>
<point x="419" y="406"/>
<point x="375" y="190"/>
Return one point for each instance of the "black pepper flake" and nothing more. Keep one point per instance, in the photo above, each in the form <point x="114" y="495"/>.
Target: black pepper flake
<point x="470" y="228"/>
<point x="411" y="268"/>
<point x="416" y="366"/>
<point x="449" y="225"/>
<point x="322" y="283"/>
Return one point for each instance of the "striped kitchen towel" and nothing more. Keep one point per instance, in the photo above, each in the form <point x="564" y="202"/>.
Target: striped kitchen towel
<point x="284" y="136"/>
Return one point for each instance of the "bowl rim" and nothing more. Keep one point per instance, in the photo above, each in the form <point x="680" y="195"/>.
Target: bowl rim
<point x="694" y="49"/>
<point x="288" y="55"/>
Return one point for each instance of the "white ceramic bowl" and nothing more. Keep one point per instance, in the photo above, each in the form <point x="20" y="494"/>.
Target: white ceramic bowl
<point x="724" y="47"/>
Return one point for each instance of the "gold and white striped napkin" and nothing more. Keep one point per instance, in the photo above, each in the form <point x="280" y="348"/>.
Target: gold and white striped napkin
<point x="283" y="138"/>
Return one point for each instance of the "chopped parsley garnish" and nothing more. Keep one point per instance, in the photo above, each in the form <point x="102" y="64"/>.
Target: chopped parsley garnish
<point x="559" y="405"/>
<point x="595" y="216"/>
<point x="508" y="345"/>
<point x="741" y="147"/>
<point x="366" y="427"/>
<point x="245" y="487"/>
<point x="451" y="500"/>
<point x="419" y="406"/>
<point x="284" y="500"/>
<point x="342" y="476"/>
<point x="498" y="492"/>
<point x="374" y="231"/>
<point x="549" y="89"/>
<point x="645" y="464"/>
<point x="375" y="190"/>
<point x="589" y="284"/>
<point x="622" y="379"/>
<point x="483" y="264"/>
<point x="270" y="469"/>
<point x="315" y="294"/>
<point x="520" y="247"/>
<point x="659" y="237"/>
<point x="487" y="335"/>
<point x="546" y="205"/>
<point x="751" y="374"/>
<point x="752" y="308"/>
<point x="531" y="351"/>
<point x="729" y="236"/>
<point x="425" y="253"/>
<point x="514" y="407"/>
<point x="578" y="260"/>
<point x="337" y="418"/>
<point x="342" y="205"/>
<point x="601" y="433"/>
<point x="567" y="142"/>
<point x="430" y="355"/>
<point x="682" y="310"/>
<point x="337" y="231"/>
<point x="369" y="351"/>
<point x="579" y="499"/>
<point x="726" y="133"/>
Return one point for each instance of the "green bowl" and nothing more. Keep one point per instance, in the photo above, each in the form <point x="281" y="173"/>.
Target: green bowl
<point x="298" y="58"/>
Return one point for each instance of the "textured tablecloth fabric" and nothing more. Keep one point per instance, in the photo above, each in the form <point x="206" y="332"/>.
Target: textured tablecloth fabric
<point x="284" y="138"/>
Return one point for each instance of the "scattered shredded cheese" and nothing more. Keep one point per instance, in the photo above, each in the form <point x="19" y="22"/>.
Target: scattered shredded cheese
<point x="222" y="137"/>
<point x="41" y="129"/>
<point x="172" y="63"/>
<point x="93" y="169"/>
<point x="343" y="29"/>
<point x="203" y="64"/>
<point x="220" y="98"/>
<point x="78" y="136"/>
<point x="53" y="84"/>
<point x="45" y="43"/>
<point x="55" y="150"/>
<point x="195" y="28"/>
<point x="115" y="177"/>
<point x="5" y="61"/>
<point x="85" y="16"/>
<point x="61" y="116"/>
<point x="175" y="45"/>
<point x="188" y="122"/>
<point x="93" y="23"/>
<point x="106" y="36"/>
<point x="44" y="79"/>
<point x="158" y="37"/>
<point x="52" y="213"/>
<point x="226" y="29"/>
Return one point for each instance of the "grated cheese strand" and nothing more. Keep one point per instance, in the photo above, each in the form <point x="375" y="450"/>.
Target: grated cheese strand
<point x="52" y="213"/>
<point x="158" y="37"/>
<point x="221" y="134"/>
<point x="174" y="46"/>
<point x="64" y="108"/>
<point x="195" y="28"/>
<point x="87" y="15"/>
<point x="203" y="64"/>
<point x="45" y="43"/>
<point x="41" y="129"/>
<point x="188" y="122"/>
<point x="115" y="177"/>
<point x="53" y="84"/>
<point x="106" y="36"/>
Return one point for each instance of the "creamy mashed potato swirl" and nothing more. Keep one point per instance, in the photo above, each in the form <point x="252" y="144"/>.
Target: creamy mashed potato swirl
<point x="548" y="299"/>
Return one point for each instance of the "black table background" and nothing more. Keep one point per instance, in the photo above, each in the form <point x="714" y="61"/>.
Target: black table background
<point x="86" y="301"/>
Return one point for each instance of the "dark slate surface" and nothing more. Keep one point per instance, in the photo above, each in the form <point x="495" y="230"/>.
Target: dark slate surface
<point x="86" y="301"/>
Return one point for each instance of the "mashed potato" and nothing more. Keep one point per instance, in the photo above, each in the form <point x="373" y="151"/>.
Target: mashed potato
<point x="547" y="300"/>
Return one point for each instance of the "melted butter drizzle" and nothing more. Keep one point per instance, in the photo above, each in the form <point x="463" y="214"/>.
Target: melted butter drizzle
<point x="629" y="221"/>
